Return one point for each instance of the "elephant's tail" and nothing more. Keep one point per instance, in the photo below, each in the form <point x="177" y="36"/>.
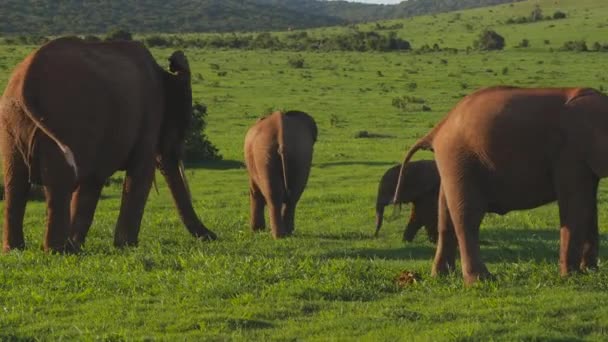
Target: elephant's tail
<point x="425" y="143"/>
<point x="67" y="152"/>
<point x="379" y="217"/>
<point x="282" y="155"/>
<point x="32" y="112"/>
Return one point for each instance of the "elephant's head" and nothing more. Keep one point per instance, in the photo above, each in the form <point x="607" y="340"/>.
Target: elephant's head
<point x="176" y="121"/>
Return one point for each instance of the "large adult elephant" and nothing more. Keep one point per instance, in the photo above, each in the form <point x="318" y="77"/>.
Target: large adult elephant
<point x="505" y="148"/>
<point x="278" y="153"/>
<point x="75" y="112"/>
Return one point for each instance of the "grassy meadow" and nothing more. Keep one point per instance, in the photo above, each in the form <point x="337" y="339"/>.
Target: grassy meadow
<point x="332" y="280"/>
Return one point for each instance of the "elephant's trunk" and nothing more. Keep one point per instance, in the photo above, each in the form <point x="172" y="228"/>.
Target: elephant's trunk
<point x="379" y="217"/>
<point x="176" y="179"/>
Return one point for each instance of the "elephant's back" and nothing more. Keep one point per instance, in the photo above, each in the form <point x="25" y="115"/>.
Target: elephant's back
<point x="94" y="95"/>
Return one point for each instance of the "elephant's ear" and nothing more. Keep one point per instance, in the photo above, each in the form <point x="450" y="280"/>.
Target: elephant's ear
<point x="178" y="63"/>
<point x="313" y="128"/>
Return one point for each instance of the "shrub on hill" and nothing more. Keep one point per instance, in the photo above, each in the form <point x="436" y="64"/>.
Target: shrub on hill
<point x="197" y="146"/>
<point x="575" y="45"/>
<point x="489" y="40"/>
<point x="119" y="34"/>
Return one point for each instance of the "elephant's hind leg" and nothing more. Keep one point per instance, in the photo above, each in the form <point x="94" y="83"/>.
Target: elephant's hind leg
<point x="445" y="255"/>
<point x="576" y="197"/>
<point x="289" y="216"/>
<point x="467" y="209"/>
<point x="16" y="189"/>
<point x="256" y="203"/>
<point x="591" y="243"/>
<point x="58" y="218"/>
<point x="59" y="182"/>
<point x="136" y="189"/>
<point x="84" y="202"/>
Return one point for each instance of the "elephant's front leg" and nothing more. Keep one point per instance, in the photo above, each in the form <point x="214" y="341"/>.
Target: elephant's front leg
<point x="135" y="192"/>
<point x="445" y="255"/>
<point x="16" y="189"/>
<point x="84" y="202"/>
<point x="256" y="203"/>
<point x="576" y="197"/>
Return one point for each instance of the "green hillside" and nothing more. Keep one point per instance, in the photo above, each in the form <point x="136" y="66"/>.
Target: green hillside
<point x="50" y="17"/>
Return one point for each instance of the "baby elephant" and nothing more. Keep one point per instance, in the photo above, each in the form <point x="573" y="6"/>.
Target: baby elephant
<point x="278" y="153"/>
<point x="421" y="188"/>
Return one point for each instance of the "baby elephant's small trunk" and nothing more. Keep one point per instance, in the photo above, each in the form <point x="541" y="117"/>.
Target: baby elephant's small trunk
<point x="379" y="217"/>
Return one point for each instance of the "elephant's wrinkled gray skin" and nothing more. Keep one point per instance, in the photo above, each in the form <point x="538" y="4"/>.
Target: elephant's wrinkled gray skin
<point x="421" y="188"/>
<point x="75" y="112"/>
<point x="506" y="148"/>
<point x="278" y="154"/>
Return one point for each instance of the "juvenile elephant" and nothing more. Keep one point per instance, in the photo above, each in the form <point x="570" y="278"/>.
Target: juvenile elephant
<point x="72" y="114"/>
<point x="505" y="148"/>
<point x="278" y="154"/>
<point x="421" y="188"/>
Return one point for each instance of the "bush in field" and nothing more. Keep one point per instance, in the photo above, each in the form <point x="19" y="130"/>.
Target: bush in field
<point x="559" y="15"/>
<point x="599" y="47"/>
<point x="156" y="40"/>
<point x="296" y="62"/>
<point x="575" y="45"/>
<point x="119" y="34"/>
<point x="489" y="40"/>
<point x="403" y="102"/>
<point x="524" y="43"/>
<point x="197" y="146"/>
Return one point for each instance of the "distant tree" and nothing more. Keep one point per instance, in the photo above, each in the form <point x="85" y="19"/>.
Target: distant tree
<point x="575" y="45"/>
<point x="489" y="40"/>
<point x="537" y="14"/>
<point x="559" y="15"/>
<point x="119" y="34"/>
<point x="197" y="146"/>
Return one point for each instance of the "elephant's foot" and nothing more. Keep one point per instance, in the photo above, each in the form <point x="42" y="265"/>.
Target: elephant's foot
<point x="441" y="268"/>
<point x="478" y="273"/>
<point x="256" y="228"/>
<point x="75" y="244"/>
<point x="121" y="241"/>
<point x="207" y="235"/>
<point x="58" y="248"/>
<point x="279" y="234"/>
<point x="589" y="265"/>
<point x="13" y="246"/>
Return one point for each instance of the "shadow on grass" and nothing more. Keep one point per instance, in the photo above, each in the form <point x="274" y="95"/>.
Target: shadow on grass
<point x="347" y="163"/>
<point x="402" y="253"/>
<point x="217" y="165"/>
<point x="497" y="245"/>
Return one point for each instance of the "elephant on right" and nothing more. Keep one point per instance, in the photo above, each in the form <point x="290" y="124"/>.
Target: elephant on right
<point x="507" y="148"/>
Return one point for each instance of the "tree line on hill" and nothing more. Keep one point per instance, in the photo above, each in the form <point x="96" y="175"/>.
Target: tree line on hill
<point x="51" y="17"/>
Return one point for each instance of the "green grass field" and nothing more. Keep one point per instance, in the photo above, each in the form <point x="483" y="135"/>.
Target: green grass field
<point x="332" y="280"/>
